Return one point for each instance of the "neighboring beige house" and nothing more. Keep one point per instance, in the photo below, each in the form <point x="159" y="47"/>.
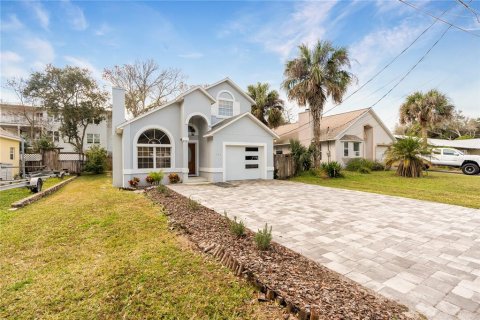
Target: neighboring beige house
<point x="354" y="134"/>
<point x="13" y="119"/>
<point x="9" y="155"/>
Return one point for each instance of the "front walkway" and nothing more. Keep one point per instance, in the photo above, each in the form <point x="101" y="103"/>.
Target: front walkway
<point x="424" y="254"/>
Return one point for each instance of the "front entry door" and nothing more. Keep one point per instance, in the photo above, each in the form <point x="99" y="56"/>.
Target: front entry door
<point x="191" y="159"/>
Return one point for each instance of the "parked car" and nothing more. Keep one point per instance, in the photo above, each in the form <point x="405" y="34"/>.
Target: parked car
<point x="470" y="164"/>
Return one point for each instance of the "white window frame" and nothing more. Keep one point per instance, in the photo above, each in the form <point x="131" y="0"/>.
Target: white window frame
<point x="136" y="145"/>
<point x="93" y="138"/>
<point x="356" y="152"/>
<point x="345" y="148"/>
<point x="220" y="99"/>
<point x="12" y="153"/>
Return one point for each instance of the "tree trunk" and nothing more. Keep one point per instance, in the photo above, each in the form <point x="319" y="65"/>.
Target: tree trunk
<point x="424" y="136"/>
<point x="316" y="115"/>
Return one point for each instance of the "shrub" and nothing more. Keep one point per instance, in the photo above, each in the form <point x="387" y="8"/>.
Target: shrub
<point x="155" y="178"/>
<point x="45" y="142"/>
<point x="377" y="166"/>
<point x="263" y="238"/>
<point x="364" y="170"/>
<point x="363" y="165"/>
<point x="236" y="227"/>
<point x="407" y="153"/>
<point x="134" y="182"/>
<point x="164" y="190"/>
<point x="332" y="169"/>
<point x="173" y="178"/>
<point x="193" y="205"/>
<point x="96" y="160"/>
<point x="302" y="156"/>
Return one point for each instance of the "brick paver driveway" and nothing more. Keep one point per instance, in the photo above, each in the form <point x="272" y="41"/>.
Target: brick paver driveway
<point x="424" y="254"/>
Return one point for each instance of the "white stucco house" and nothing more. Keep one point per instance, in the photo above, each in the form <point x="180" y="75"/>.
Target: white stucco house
<point x="206" y="131"/>
<point x="344" y="136"/>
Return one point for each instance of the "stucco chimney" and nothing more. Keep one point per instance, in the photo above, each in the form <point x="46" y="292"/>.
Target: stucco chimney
<point x="118" y="107"/>
<point x="118" y="117"/>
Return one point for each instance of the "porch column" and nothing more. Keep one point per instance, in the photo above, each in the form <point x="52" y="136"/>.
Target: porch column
<point x="184" y="158"/>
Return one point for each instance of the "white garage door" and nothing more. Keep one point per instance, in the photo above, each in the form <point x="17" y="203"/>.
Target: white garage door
<point x="380" y="153"/>
<point x="244" y="162"/>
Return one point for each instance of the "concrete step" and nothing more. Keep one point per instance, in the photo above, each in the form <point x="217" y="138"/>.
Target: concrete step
<point x="197" y="180"/>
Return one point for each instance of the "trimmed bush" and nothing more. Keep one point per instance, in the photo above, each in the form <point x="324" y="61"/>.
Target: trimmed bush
<point x="96" y="160"/>
<point x="263" y="238"/>
<point x="363" y="165"/>
<point x="332" y="169"/>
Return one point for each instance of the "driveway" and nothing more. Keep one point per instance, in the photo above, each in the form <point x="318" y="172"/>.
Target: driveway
<point x="426" y="255"/>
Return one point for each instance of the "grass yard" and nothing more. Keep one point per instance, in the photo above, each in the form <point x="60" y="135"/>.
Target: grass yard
<point x="8" y="197"/>
<point x="448" y="188"/>
<point x="91" y="251"/>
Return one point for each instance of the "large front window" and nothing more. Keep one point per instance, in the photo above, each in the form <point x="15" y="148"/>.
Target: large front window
<point x="225" y="108"/>
<point x="153" y="150"/>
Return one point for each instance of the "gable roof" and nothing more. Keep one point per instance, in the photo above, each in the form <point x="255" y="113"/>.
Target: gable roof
<point x="330" y="126"/>
<point x="178" y="99"/>
<point x="236" y="86"/>
<point x="225" y="123"/>
<point x="7" y="135"/>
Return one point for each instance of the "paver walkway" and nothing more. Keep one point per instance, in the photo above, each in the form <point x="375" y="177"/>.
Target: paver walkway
<point x="424" y="254"/>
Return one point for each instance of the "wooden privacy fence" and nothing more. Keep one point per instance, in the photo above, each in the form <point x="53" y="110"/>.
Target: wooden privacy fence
<point x="71" y="162"/>
<point x="284" y="166"/>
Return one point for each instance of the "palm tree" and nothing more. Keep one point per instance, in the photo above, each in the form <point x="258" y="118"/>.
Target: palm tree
<point x="316" y="75"/>
<point x="406" y="153"/>
<point x="426" y="110"/>
<point x="268" y="105"/>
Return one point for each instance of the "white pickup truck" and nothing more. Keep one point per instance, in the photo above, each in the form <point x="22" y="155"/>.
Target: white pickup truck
<point x="470" y="164"/>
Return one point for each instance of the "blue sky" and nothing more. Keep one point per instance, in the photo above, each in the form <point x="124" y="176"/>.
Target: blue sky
<point x="250" y="42"/>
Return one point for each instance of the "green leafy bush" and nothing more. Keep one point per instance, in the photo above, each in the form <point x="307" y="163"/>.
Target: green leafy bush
<point x="173" y="178"/>
<point x="236" y="227"/>
<point x="364" y="165"/>
<point x="96" y="159"/>
<point x="332" y="169"/>
<point x="263" y="238"/>
<point x="45" y="142"/>
<point x="302" y="156"/>
<point x="155" y="178"/>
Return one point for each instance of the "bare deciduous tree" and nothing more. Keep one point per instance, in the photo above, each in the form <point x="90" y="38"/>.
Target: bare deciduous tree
<point x="146" y="84"/>
<point x="18" y="86"/>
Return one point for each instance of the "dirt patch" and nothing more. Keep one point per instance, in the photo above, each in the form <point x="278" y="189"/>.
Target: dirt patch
<point x="306" y="288"/>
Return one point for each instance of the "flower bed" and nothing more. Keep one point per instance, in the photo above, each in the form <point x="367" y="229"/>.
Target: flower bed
<point x="304" y="287"/>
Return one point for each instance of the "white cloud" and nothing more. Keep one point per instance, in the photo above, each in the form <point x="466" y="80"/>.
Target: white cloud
<point x="75" y="15"/>
<point x="11" y="24"/>
<point x="85" y="64"/>
<point x="11" y="65"/>
<point x="103" y="30"/>
<point x="41" y="14"/>
<point x="191" y="55"/>
<point x="42" y="50"/>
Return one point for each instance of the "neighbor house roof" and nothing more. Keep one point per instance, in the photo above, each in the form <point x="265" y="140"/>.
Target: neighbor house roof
<point x="233" y="84"/>
<point x="225" y="123"/>
<point x="330" y="126"/>
<point x="7" y="135"/>
<point x="459" y="144"/>
<point x="179" y="98"/>
<point x="350" y="137"/>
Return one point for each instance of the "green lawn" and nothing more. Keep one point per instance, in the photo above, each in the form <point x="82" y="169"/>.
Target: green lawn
<point x="91" y="251"/>
<point x="8" y="197"/>
<point x="449" y="188"/>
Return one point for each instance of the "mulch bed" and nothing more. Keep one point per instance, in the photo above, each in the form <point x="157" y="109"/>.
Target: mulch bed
<point x="304" y="287"/>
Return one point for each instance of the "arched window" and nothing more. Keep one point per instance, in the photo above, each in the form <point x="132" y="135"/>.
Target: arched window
<point x="153" y="150"/>
<point x="225" y="104"/>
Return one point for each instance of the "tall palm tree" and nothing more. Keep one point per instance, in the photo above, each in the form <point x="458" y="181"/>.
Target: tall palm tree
<point x="426" y="110"/>
<point x="268" y="105"/>
<point x="315" y="76"/>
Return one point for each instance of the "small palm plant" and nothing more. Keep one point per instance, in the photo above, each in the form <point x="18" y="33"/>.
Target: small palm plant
<point x="407" y="152"/>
